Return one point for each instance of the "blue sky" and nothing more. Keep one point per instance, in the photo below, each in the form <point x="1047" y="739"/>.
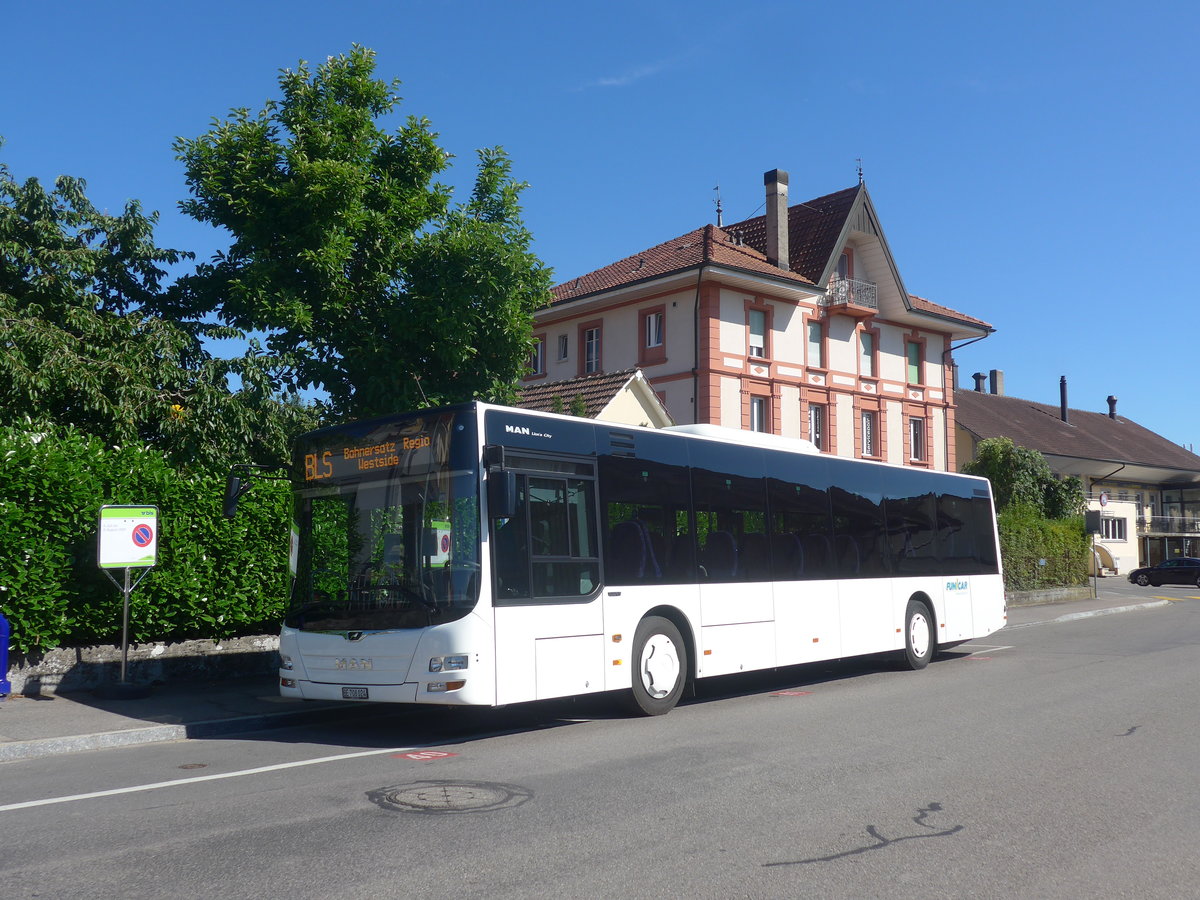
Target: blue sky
<point x="1033" y="164"/>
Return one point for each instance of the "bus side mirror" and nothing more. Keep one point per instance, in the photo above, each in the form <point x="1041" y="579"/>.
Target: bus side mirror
<point x="502" y="494"/>
<point x="233" y="490"/>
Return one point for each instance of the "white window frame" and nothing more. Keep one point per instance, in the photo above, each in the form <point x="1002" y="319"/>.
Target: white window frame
<point x="591" y="350"/>
<point x="564" y="347"/>
<point x="917" y="451"/>
<point x="870" y="433"/>
<point x="1113" y="528"/>
<point x="866" y="354"/>
<point x="816" y="425"/>
<point x="758" y="414"/>
<point x="654" y="329"/>
<point x="759" y="349"/>
<point x="816" y="349"/>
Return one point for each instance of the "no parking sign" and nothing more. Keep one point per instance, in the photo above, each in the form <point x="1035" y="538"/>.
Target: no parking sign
<point x="128" y="536"/>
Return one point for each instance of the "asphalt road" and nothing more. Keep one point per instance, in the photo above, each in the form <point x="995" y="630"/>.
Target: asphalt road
<point x="1053" y="761"/>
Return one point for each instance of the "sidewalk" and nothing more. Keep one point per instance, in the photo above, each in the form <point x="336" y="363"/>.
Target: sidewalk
<point x="66" y="723"/>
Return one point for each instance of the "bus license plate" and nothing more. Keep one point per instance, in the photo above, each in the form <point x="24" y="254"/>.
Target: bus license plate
<point x="354" y="693"/>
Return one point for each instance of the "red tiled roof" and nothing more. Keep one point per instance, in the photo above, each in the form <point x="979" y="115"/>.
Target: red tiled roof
<point x="813" y="230"/>
<point x="938" y="310"/>
<point x="596" y="390"/>
<point x="709" y="244"/>
<point x="1090" y="435"/>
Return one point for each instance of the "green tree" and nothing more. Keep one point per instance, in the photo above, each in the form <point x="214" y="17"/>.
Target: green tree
<point x="347" y="254"/>
<point x="1021" y="476"/>
<point x="78" y="345"/>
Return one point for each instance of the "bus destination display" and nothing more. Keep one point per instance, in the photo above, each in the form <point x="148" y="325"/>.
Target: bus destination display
<point x="346" y="461"/>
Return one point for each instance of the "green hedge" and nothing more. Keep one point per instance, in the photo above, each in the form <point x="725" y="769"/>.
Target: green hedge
<point x="1026" y="538"/>
<point x="215" y="578"/>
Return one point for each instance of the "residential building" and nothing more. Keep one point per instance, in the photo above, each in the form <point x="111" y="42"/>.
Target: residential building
<point x="795" y="322"/>
<point x="1146" y="488"/>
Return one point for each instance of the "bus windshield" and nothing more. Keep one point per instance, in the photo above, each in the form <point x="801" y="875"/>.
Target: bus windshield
<point x="386" y="525"/>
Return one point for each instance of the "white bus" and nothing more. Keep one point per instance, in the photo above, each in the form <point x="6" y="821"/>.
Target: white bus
<point x="482" y="555"/>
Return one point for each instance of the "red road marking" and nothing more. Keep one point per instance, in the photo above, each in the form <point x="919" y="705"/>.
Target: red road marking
<point x="423" y="754"/>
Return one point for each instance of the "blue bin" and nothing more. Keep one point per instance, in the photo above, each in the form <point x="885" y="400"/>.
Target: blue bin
<point x="5" y="632"/>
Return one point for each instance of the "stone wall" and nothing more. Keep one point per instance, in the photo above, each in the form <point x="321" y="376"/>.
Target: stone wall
<point x="83" y="668"/>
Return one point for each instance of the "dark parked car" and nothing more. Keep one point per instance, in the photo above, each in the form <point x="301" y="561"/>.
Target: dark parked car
<point x="1181" y="570"/>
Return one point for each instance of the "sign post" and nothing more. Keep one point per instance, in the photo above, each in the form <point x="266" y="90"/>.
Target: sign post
<point x="127" y="539"/>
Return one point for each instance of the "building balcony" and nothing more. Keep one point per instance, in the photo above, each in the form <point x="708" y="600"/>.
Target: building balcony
<point x="849" y="296"/>
<point x="1168" y="525"/>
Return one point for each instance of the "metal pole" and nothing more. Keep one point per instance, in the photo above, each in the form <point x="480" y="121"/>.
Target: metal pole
<point x="125" y="629"/>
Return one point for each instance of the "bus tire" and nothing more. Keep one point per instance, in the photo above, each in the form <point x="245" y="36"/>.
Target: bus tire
<point x="660" y="666"/>
<point x="919" y="643"/>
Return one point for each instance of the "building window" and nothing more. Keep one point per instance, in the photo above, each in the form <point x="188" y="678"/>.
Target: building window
<point x="816" y="425"/>
<point x="653" y="326"/>
<point x="1112" y="529"/>
<point x="537" y="359"/>
<point x="845" y="265"/>
<point x="758" y="414"/>
<point x="564" y="347"/>
<point x="912" y="350"/>
<point x="916" y="436"/>
<point x="758" y="332"/>
<point x="654" y="330"/>
<point x="866" y="354"/>
<point x="870" y="433"/>
<point x="816" y="344"/>
<point x="590" y="350"/>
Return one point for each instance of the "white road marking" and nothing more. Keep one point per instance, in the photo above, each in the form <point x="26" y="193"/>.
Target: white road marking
<point x="50" y="801"/>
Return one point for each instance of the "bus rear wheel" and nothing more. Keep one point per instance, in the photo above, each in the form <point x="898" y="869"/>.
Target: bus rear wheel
<point x="918" y="635"/>
<point x="660" y="666"/>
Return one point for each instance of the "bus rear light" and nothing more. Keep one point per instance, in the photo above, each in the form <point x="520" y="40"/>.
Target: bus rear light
<point x="617" y="662"/>
<point x="441" y="687"/>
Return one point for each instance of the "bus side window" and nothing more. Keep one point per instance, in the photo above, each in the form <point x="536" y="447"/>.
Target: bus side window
<point x="645" y="508"/>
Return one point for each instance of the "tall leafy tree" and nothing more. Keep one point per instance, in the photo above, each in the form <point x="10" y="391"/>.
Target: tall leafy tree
<point x="1022" y="477"/>
<point x="364" y="276"/>
<point x="78" y="345"/>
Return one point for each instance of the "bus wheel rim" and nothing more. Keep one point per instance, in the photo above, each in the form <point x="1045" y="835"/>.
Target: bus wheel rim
<point x="660" y="666"/>
<point x="918" y="635"/>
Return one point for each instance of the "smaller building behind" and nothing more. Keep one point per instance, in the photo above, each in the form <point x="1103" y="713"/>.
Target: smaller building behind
<point x="1146" y="488"/>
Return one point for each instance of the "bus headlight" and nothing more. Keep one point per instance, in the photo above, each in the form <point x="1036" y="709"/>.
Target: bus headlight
<point x="285" y="662"/>
<point x="440" y="687"/>
<point x="447" y="663"/>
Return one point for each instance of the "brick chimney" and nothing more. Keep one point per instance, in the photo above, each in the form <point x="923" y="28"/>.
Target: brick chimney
<point x="776" y="182"/>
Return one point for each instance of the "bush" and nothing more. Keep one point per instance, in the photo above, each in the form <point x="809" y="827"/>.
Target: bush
<point x="215" y="578"/>
<point x="1027" y="538"/>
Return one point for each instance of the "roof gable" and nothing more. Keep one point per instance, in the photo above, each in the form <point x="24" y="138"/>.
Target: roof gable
<point x="597" y="392"/>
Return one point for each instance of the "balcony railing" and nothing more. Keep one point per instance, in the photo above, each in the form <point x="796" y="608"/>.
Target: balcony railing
<point x="851" y="291"/>
<point x="1168" y="525"/>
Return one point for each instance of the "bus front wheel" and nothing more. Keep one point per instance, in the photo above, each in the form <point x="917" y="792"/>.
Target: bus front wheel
<point x="660" y="666"/>
<point x="918" y="635"/>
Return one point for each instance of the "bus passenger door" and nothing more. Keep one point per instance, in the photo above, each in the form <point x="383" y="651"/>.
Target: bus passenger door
<point x="546" y="584"/>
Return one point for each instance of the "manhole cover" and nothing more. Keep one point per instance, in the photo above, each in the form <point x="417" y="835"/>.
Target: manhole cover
<point x="449" y="796"/>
